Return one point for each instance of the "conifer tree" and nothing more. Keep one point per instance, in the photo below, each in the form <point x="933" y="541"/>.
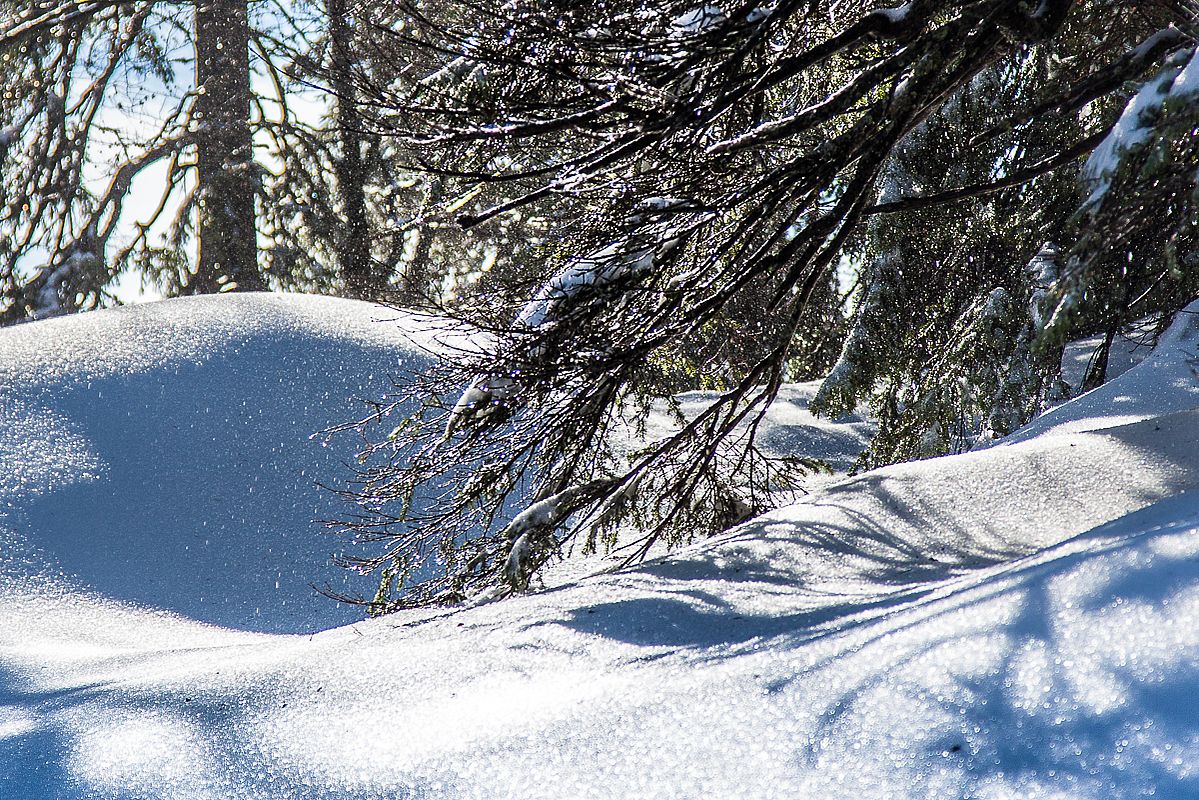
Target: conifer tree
<point x="87" y="65"/>
<point x="225" y="168"/>
<point x="700" y="158"/>
<point x="250" y="192"/>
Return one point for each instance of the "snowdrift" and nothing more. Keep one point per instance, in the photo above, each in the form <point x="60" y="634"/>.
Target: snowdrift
<point x="162" y="454"/>
<point x="1012" y="623"/>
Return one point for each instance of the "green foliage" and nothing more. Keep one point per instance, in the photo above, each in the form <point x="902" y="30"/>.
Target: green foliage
<point x="948" y="344"/>
<point x="813" y="188"/>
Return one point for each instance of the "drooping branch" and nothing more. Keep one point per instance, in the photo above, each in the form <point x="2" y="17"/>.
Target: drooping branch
<point x="38" y="19"/>
<point x="700" y="158"/>
<point x="1018" y="177"/>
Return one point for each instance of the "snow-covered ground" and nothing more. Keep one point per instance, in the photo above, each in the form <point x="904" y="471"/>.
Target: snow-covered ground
<point x="788" y="428"/>
<point x="162" y="453"/>
<point x="1018" y="622"/>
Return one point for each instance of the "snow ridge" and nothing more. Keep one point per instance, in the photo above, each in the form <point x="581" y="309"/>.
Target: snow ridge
<point x="1012" y="622"/>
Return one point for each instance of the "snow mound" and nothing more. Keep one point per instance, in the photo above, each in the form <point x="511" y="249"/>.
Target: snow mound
<point x="788" y="427"/>
<point x="1165" y="381"/>
<point x="161" y="454"/>
<point x="1018" y="622"/>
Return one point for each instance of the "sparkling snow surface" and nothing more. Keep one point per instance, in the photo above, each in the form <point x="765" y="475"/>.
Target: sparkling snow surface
<point x="161" y="454"/>
<point x="1019" y="622"/>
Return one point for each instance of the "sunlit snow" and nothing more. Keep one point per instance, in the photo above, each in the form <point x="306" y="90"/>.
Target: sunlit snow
<point x="1017" y="622"/>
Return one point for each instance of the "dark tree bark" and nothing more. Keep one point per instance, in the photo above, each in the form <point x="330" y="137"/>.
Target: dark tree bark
<point x="361" y="280"/>
<point x="225" y="171"/>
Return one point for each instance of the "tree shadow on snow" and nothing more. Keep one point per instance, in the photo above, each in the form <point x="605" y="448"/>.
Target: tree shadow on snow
<point x="106" y="740"/>
<point x="32" y="752"/>
<point x="1072" y="674"/>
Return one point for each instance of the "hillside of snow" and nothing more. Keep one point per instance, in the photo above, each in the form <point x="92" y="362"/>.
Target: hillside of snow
<point x="1017" y="622"/>
<point x="162" y="454"/>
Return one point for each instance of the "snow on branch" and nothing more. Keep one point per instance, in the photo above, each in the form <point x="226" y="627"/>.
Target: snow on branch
<point x="62" y="14"/>
<point x="1176" y="85"/>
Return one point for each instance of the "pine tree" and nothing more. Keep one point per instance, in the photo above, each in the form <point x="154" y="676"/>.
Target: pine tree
<point x="253" y="194"/>
<point x="82" y="66"/>
<point x="43" y="106"/>
<point x="226" y="174"/>
<point x="698" y="159"/>
<point x="352" y="176"/>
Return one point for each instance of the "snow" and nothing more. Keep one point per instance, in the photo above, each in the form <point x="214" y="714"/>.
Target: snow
<point x="1177" y="82"/>
<point x="1166" y="381"/>
<point x="759" y="14"/>
<point x="604" y="267"/>
<point x="161" y="454"/>
<point x="1017" y="622"/>
<point x="555" y="300"/>
<point x="698" y="20"/>
<point x="789" y="428"/>
<point x="896" y="15"/>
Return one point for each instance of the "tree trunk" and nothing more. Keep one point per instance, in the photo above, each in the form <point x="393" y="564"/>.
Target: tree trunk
<point x="226" y="175"/>
<point x="354" y="254"/>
